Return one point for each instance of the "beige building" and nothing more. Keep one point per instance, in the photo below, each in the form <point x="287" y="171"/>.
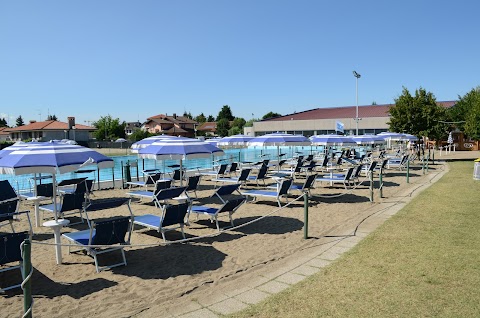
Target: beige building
<point x="373" y="119"/>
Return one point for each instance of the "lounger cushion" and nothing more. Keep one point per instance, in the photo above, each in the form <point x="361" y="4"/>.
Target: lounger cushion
<point x="148" y="220"/>
<point x="204" y="210"/>
<point x="50" y="207"/>
<point x="81" y="237"/>
<point x="262" y="193"/>
<point x="145" y="194"/>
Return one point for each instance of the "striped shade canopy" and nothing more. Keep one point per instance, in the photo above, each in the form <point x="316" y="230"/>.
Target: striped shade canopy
<point x="148" y="141"/>
<point x="278" y="139"/>
<point x="18" y="145"/>
<point x="234" y="141"/>
<point x="392" y="136"/>
<point x="332" y="140"/>
<point x="179" y="148"/>
<point x="410" y="137"/>
<point x="368" y="140"/>
<point x="52" y="158"/>
<point x="213" y="141"/>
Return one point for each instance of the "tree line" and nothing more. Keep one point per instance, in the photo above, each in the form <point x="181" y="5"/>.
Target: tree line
<point x="420" y="115"/>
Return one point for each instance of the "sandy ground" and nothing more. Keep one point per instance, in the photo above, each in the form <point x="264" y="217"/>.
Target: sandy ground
<point x="162" y="276"/>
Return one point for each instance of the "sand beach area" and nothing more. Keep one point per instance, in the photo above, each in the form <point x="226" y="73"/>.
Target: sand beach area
<point x="172" y="280"/>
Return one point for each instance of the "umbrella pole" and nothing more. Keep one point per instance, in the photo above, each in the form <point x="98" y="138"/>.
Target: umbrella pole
<point x="54" y="183"/>
<point x="278" y="158"/>
<point x="35" y="184"/>
<point x="181" y="173"/>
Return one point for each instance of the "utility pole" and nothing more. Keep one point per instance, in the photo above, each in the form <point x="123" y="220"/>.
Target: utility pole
<point x="357" y="76"/>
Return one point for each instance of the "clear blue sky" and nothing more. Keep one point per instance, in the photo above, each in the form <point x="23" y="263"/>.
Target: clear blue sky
<point x="135" y="59"/>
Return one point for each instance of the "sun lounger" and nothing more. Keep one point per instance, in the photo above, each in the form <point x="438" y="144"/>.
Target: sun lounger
<point x="222" y="169"/>
<point x="241" y="179"/>
<point x="9" y="205"/>
<point x="11" y="253"/>
<point x="282" y="191"/>
<point x="69" y="203"/>
<point x="150" y="195"/>
<point x="173" y="217"/>
<point x="226" y="190"/>
<point x="306" y="186"/>
<point x="230" y="206"/>
<point x="346" y="178"/>
<point x="114" y="234"/>
<point x="151" y="177"/>
<point x="261" y="176"/>
<point x="399" y="163"/>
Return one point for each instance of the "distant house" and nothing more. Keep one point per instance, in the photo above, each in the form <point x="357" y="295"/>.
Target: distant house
<point x="4" y="135"/>
<point x="209" y="128"/>
<point x="131" y="127"/>
<point x="170" y="125"/>
<point x="51" y="130"/>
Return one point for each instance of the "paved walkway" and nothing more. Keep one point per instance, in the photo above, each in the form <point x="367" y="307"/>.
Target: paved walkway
<point x="230" y="297"/>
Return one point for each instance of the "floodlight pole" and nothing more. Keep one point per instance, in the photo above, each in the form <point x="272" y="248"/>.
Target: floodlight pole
<point x="357" y="76"/>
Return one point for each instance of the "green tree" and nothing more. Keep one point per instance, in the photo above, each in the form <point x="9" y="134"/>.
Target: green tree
<point x="19" y="121"/>
<point x="462" y="110"/>
<point x="239" y="122"/>
<point x="188" y="115"/>
<point x="223" y="125"/>
<point x="468" y="109"/>
<point x="3" y="122"/>
<point x="52" y="117"/>
<point x="109" y="128"/>
<point x="200" y="118"/>
<point x="250" y="122"/>
<point x="271" y="115"/>
<point x="235" y="131"/>
<point x="210" y="118"/>
<point x="226" y="113"/>
<point x="139" y="134"/>
<point x="419" y="115"/>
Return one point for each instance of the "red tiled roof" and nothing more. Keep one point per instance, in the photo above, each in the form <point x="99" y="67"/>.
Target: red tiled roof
<point x="174" y="130"/>
<point x="208" y="126"/>
<point x="48" y="125"/>
<point x="345" y="112"/>
<point x="177" y="119"/>
<point x="3" y="132"/>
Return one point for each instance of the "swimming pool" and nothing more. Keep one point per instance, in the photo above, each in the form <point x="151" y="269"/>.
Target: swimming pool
<point x="25" y="182"/>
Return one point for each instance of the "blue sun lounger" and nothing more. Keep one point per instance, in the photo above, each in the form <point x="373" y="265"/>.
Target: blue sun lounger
<point x="230" y="206"/>
<point x="109" y="235"/>
<point x="173" y="217"/>
<point x="11" y="253"/>
<point x="282" y="191"/>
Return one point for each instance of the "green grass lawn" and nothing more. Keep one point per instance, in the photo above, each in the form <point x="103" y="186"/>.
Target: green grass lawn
<point x="423" y="262"/>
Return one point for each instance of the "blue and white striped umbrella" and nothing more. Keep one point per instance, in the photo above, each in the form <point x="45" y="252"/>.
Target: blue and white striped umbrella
<point x="234" y="141"/>
<point x="179" y="148"/>
<point x="450" y="138"/>
<point x="368" y="140"/>
<point x="332" y="140"/>
<point x="392" y="136"/>
<point x="410" y="137"/>
<point x="17" y="146"/>
<point x="213" y="141"/>
<point x="148" y="141"/>
<point x="279" y="139"/>
<point x="52" y="158"/>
